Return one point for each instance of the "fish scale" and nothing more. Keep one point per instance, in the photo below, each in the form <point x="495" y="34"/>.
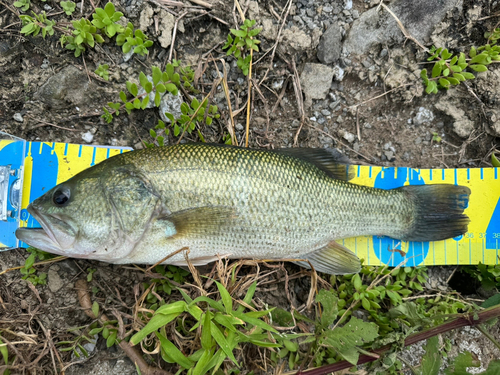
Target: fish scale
<point x="227" y="201"/>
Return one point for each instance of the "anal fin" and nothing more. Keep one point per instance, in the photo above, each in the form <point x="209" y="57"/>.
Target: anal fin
<point x="333" y="259"/>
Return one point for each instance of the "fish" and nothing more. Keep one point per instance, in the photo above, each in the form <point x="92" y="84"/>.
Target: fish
<point x="221" y="201"/>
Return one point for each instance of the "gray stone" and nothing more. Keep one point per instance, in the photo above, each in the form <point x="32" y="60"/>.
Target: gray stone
<point x="330" y="45"/>
<point x="376" y="26"/>
<point x="462" y="125"/>
<point x="166" y="26"/>
<point x="54" y="281"/>
<point x="88" y="137"/>
<point x="171" y="104"/>
<point x="18" y="117"/>
<point x="349" y="137"/>
<point x="68" y="87"/>
<point x="389" y="155"/>
<point x="315" y="81"/>
<point x="141" y="91"/>
<point x="338" y="73"/>
<point x="296" y="38"/>
<point x="423" y="116"/>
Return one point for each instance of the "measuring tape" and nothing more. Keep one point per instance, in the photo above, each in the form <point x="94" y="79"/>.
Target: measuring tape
<point x="29" y="169"/>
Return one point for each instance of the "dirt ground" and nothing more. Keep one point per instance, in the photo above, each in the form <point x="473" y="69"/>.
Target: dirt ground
<point x="375" y="111"/>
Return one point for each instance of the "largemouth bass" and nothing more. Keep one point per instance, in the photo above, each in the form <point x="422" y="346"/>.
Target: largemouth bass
<point x="218" y="201"/>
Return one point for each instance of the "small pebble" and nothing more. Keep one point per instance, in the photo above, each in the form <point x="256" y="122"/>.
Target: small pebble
<point x="87" y="137"/>
<point x="18" y="117"/>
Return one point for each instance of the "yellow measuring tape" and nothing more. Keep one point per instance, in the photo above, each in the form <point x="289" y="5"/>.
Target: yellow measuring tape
<point x="480" y="244"/>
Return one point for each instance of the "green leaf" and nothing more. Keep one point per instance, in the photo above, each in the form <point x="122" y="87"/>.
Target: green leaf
<point x="156" y="75"/>
<point x="143" y="79"/>
<point x="495" y="161"/>
<point x="195" y="104"/>
<point x="123" y="96"/>
<point x="202" y="362"/>
<point x="156" y="322"/>
<point x="459" y="77"/>
<point x="460" y="364"/>
<point x="468" y="75"/>
<point x="472" y="52"/>
<point x="493" y="368"/>
<point x="431" y="362"/>
<point x="148" y="87"/>
<point x="5" y="353"/>
<point x="436" y="70"/>
<point x="444" y="82"/>
<point x="171" y="88"/>
<point x="170" y="71"/>
<point x="157" y="99"/>
<point x="254" y="321"/>
<point x="240" y="33"/>
<point x="478" y="68"/>
<point x="454" y="60"/>
<point x="329" y="303"/>
<point x="110" y="341"/>
<point x="225" y="296"/>
<point x="174" y="352"/>
<point x="206" y="334"/>
<point x="95" y="309"/>
<point x="453" y="80"/>
<point x="222" y="342"/>
<point x="345" y="339"/>
<point x="136" y="103"/>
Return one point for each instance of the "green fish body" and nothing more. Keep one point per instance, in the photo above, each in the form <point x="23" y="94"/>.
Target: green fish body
<point x="215" y="201"/>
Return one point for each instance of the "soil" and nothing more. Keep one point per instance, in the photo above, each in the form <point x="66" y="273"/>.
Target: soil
<point x="377" y="113"/>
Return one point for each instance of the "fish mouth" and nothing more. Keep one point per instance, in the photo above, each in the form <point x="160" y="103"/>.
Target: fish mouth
<point x="56" y="235"/>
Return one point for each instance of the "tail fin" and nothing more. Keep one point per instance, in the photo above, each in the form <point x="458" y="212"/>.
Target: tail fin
<point x="438" y="212"/>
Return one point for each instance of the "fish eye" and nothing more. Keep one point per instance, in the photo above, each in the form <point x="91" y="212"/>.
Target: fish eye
<point x="61" y="196"/>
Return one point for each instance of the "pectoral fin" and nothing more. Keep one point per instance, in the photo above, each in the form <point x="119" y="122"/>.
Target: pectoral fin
<point x="197" y="222"/>
<point x="334" y="259"/>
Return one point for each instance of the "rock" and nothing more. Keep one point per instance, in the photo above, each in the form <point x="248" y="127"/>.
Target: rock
<point x="18" y="117"/>
<point x="296" y="38"/>
<point x="166" y="26"/>
<point x="423" y="116"/>
<point x="349" y="137"/>
<point x="146" y="18"/>
<point x="54" y="281"/>
<point x="376" y="26"/>
<point x="462" y="125"/>
<point x="68" y="87"/>
<point x="88" y="137"/>
<point x="269" y="29"/>
<point x="348" y="5"/>
<point x="330" y="45"/>
<point x="315" y="81"/>
<point x="253" y="10"/>
<point x="171" y="104"/>
<point x="338" y="73"/>
<point x="389" y="155"/>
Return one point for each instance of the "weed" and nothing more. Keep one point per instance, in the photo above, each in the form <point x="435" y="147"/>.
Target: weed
<point x="23" y="4"/>
<point x="105" y="19"/>
<point x="488" y="276"/>
<point x="494" y="161"/>
<point x="450" y="70"/>
<point x="39" y="22"/>
<point x="102" y="71"/>
<point x="68" y="7"/>
<point x="137" y="39"/>
<point x="244" y="41"/>
<point x="29" y="272"/>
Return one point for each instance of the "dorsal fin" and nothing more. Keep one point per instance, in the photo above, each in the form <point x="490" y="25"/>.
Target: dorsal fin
<point x="331" y="161"/>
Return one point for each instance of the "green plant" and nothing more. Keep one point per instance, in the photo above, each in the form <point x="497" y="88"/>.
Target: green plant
<point x="84" y="33"/>
<point x="130" y="38"/>
<point x="105" y="19"/>
<point x="102" y="71"/>
<point x="436" y="137"/>
<point x="23" y="4"/>
<point x="4" y="351"/>
<point x="222" y="325"/>
<point x="450" y="69"/>
<point x="244" y="41"/>
<point x="28" y="271"/>
<point x="90" y="274"/>
<point x="494" y="161"/>
<point x="161" y="82"/>
<point x="487" y="275"/>
<point x="68" y="7"/>
<point x="39" y="22"/>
